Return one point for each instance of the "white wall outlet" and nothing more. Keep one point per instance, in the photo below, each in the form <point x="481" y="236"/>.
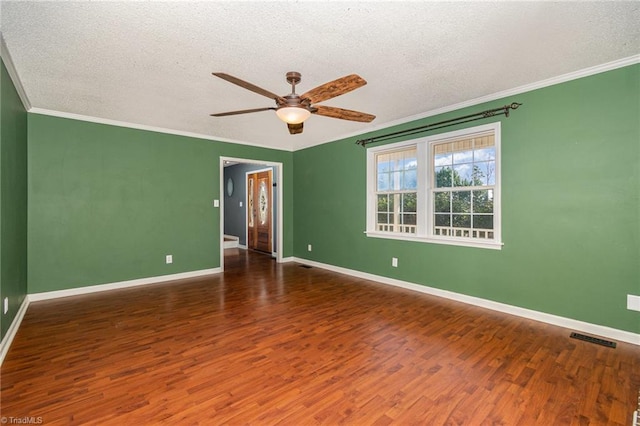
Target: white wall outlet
<point x="633" y="302"/>
<point x="309" y="247"/>
<point x="216" y="203"/>
<point x="240" y="203"/>
<point x="6" y="305"/>
<point x="394" y="262"/>
<point x="168" y="259"/>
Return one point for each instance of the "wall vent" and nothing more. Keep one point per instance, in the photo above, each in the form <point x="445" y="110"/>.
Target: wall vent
<point x="592" y="339"/>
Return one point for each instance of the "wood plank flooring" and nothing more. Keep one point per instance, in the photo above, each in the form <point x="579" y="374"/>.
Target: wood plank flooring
<point x="269" y="344"/>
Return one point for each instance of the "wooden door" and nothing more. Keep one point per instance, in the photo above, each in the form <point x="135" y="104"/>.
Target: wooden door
<point x="259" y="213"/>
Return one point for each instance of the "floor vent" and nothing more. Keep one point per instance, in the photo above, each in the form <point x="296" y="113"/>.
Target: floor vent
<point x="306" y="266"/>
<point x="592" y="339"/>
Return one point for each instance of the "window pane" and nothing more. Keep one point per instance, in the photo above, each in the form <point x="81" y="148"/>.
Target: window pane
<point x="409" y="219"/>
<point x="411" y="179"/>
<point x="383" y="163"/>
<point x="462" y="175"/>
<point x="462" y="221"/>
<point x="442" y="202"/>
<point x="443" y="177"/>
<point x="483" y="221"/>
<point x="409" y="202"/>
<point x="383" y="182"/>
<point x="445" y="159"/>
<point x="484" y="173"/>
<point x="461" y="202"/>
<point x="397" y="170"/>
<point x="383" y="203"/>
<point x="443" y="220"/>
<point x="383" y="218"/>
<point x="396" y="181"/>
<point x="483" y="201"/>
<point x="462" y="157"/>
<point x="484" y="154"/>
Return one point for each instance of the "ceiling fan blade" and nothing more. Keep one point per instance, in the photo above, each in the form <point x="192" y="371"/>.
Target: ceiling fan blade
<point x="343" y="114"/>
<point x="249" y="86"/>
<point x="244" y="111"/>
<point x="334" y="88"/>
<point x="294" y="129"/>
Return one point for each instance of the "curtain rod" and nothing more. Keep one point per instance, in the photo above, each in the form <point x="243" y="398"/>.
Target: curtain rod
<point x="504" y="110"/>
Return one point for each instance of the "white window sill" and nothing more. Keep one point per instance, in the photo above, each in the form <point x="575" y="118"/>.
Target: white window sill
<point x="492" y="245"/>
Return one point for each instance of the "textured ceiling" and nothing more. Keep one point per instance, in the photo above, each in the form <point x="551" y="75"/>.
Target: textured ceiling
<point x="150" y="63"/>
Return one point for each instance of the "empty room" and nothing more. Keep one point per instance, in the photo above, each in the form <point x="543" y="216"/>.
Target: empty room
<point x="319" y="212"/>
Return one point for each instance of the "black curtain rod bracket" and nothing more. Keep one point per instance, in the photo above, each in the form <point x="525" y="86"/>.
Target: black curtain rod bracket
<point x="504" y="110"/>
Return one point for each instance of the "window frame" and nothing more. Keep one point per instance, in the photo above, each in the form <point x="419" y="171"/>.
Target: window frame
<point x="426" y="186"/>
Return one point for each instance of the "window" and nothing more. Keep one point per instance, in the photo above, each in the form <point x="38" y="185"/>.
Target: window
<point x="396" y="190"/>
<point x="441" y="189"/>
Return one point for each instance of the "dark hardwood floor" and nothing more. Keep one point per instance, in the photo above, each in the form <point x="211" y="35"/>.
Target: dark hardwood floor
<point x="267" y="344"/>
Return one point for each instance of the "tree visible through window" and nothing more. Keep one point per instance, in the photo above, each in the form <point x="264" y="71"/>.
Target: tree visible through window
<point x="396" y="190"/>
<point x="463" y="189"/>
<point x="443" y="188"/>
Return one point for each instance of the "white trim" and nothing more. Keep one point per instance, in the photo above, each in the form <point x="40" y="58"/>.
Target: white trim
<point x="288" y="259"/>
<point x="586" y="72"/>
<point x="575" y="75"/>
<point x="600" y="330"/>
<point x="13" y="329"/>
<point x="233" y="243"/>
<point x="8" y="62"/>
<point x="35" y="297"/>
<point x="451" y="241"/>
<point x="425" y="188"/>
<point x="136" y="126"/>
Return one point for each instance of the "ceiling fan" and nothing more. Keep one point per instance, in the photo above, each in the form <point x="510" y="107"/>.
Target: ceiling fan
<point x="294" y="109"/>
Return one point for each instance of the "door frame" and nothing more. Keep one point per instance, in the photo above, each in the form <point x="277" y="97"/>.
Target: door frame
<point x="279" y="211"/>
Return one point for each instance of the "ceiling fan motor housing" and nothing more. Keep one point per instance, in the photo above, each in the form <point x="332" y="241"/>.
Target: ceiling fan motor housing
<point x="293" y="77"/>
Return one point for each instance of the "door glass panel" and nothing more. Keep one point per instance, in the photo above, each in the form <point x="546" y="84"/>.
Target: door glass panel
<point x="250" y="210"/>
<point x="262" y="199"/>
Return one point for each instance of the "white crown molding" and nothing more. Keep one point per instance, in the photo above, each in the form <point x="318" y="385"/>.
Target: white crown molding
<point x="569" y="323"/>
<point x="98" y="120"/>
<point x="586" y="72"/>
<point x="8" y="62"/>
<point x="13" y="329"/>
<point x="35" y="297"/>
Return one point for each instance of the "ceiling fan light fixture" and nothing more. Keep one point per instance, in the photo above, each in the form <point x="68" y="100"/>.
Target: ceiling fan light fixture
<point x="293" y="114"/>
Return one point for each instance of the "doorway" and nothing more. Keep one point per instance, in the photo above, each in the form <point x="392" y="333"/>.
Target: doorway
<point x="263" y="207"/>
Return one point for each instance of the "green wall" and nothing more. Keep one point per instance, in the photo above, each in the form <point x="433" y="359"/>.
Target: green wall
<point x="570" y="207"/>
<point x="107" y="203"/>
<point x="13" y="200"/>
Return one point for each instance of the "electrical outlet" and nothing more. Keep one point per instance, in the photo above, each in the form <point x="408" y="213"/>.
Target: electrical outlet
<point x="394" y="262"/>
<point x="633" y="302"/>
<point x="6" y="305"/>
<point x="309" y="247"/>
<point x="216" y="203"/>
<point x="240" y="203"/>
<point x="168" y="259"/>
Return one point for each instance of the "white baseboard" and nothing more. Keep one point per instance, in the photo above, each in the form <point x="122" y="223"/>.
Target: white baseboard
<point x="231" y="241"/>
<point x="11" y="332"/>
<point x="122" y="284"/>
<point x="600" y="330"/>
